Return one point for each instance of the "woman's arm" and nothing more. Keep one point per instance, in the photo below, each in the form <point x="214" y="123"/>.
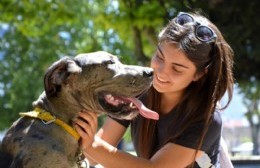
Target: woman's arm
<point x="111" y="131"/>
<point x="169" y="156"/>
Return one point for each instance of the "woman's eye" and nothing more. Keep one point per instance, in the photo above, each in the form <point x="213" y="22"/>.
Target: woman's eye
<point x="177" y="70"/>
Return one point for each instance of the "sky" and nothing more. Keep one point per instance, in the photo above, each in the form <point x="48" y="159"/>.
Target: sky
<point x="236" y="109"/>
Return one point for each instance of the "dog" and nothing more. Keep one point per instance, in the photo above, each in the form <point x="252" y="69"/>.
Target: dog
<point x="99" y="82"/>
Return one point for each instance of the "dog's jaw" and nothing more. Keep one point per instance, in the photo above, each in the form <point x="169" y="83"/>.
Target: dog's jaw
<point x="126" y="107"/>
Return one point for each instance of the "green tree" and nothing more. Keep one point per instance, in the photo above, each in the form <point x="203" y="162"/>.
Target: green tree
<point x="36" y="33"/>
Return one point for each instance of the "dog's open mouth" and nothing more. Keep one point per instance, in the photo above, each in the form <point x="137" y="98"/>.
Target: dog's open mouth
<point x="127" y="105"/>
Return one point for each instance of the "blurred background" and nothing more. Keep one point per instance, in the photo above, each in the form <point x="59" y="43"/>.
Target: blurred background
<point x="35" y="33"/>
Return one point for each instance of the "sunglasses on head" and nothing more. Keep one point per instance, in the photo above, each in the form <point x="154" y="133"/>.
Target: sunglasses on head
<point x="202" y="32"/>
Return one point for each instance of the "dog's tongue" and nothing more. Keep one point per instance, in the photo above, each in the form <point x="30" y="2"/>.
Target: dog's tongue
<point x="144" y="111"/>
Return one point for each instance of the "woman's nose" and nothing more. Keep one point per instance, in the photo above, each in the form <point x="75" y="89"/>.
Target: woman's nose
<point x="162" y="69"/>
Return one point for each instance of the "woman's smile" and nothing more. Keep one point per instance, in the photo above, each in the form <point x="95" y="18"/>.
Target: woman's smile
<point x="160" y="81"/>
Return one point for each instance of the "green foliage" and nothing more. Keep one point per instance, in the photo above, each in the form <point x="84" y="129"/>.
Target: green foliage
<point x="34" y="35"/>
<point x="241" y="30"/>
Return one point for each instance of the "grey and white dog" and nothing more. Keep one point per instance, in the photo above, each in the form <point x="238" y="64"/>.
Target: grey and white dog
<point x="94" y="81"/>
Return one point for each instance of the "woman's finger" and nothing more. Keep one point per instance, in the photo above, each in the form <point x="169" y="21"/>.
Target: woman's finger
<point x="88" y="114"/>
<point x="80" y="131"/>
<point x="89" y="118"/>
<point x="86" y="127"/>
<point x="86" y="140"/>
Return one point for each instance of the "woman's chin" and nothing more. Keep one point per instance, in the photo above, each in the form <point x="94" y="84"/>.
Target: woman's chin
<point x="159" y="88"/>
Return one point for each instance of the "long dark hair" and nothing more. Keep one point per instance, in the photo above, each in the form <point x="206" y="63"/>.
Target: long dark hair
<point x="201" y="97"/>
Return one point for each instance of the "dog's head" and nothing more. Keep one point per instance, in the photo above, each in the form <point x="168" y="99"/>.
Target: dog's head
<point x="99" y="82"/>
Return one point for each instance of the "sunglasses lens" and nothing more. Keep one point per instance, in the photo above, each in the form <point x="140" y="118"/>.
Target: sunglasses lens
<point x="204" y="33"/>
<point x="183" y="19"/>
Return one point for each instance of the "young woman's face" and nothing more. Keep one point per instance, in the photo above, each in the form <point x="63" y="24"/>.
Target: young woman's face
<point x="173" y="71"/>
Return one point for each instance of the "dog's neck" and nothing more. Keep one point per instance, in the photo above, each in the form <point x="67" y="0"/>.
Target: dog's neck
<point x="59" y="108"/>
<point x="48" y="118"/>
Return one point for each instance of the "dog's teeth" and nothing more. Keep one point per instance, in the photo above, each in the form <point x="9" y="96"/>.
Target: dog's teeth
<point x="109" y="96"/>
<point x="131" y="105"/>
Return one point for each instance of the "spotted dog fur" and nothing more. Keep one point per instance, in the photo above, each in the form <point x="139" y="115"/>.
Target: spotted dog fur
<point x="86" y="81"/>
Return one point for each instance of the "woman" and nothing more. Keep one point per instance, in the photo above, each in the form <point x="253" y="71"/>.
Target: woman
<point x="192" y="71"/>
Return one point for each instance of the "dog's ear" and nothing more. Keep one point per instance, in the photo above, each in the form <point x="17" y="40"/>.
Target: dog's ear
<point x="58" y="73"/>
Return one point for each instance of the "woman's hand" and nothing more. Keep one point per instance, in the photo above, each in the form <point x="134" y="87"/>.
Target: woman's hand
<point x="86" y="125"/>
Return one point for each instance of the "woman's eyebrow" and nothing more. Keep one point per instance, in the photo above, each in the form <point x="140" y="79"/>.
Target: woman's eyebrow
<point x="160" y="51"/>
<point x="180" y="65"/>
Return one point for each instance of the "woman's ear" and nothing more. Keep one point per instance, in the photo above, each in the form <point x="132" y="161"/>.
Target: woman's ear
<point x="199" y="75"/>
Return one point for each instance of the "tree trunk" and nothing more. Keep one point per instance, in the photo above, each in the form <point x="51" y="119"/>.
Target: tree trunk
<point x="151" y="35"/>
<point x="138" y="50"/>
<point x="255" y="138"/>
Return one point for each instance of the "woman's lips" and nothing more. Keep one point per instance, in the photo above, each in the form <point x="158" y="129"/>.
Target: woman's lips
<point x="160" y="80"/>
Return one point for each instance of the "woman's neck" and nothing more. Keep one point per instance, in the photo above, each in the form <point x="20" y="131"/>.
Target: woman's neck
<point x="169" y="101"/>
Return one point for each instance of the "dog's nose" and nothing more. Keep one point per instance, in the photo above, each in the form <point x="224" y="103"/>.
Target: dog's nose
<point x="148" y="72"/>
